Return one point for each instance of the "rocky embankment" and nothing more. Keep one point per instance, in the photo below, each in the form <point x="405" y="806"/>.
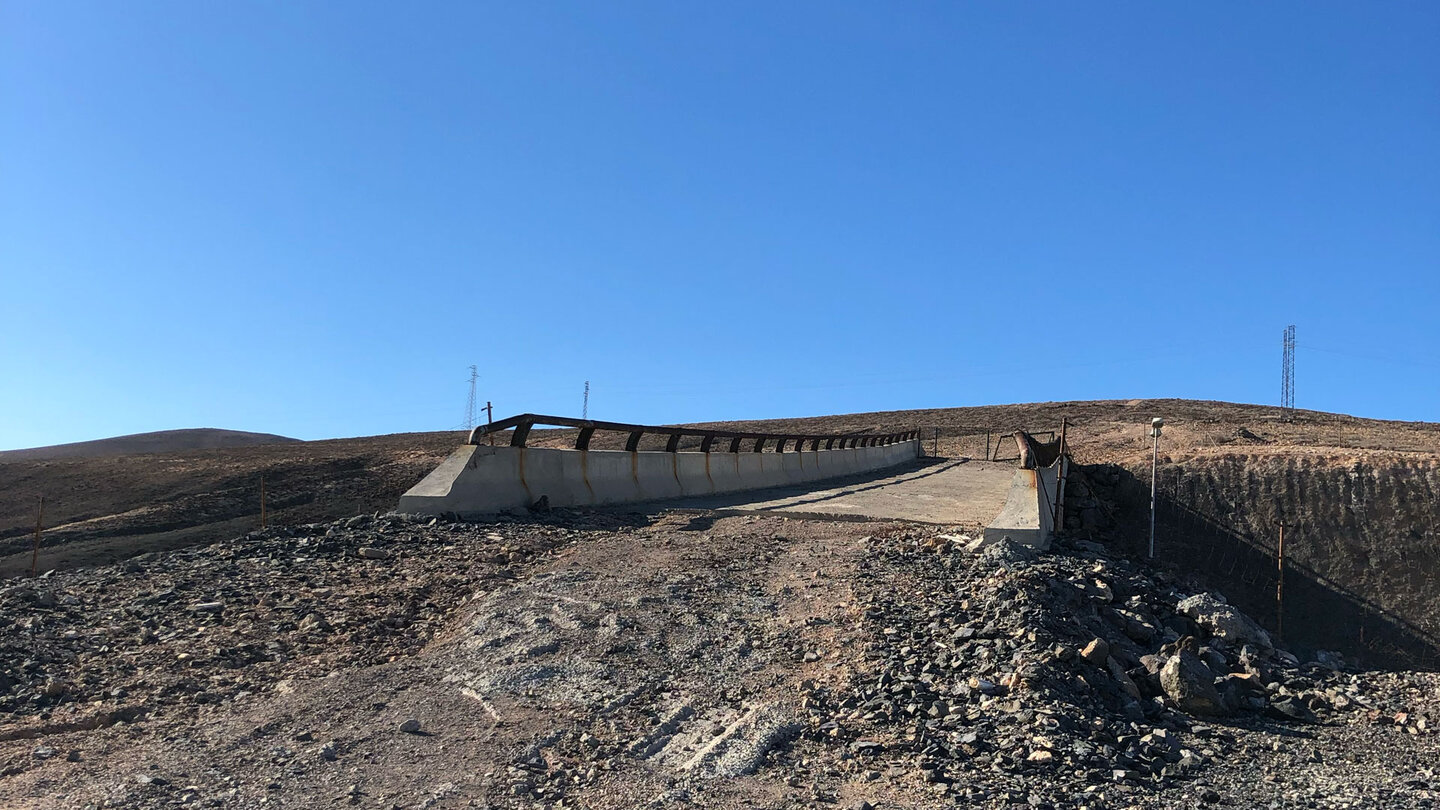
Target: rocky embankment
<point x="1043" y="679"/>
<point x="669" y="660"/>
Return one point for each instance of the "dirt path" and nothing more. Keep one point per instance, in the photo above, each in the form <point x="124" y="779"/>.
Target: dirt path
<point x="681" y="665"/>
<point x="661" y="659"/>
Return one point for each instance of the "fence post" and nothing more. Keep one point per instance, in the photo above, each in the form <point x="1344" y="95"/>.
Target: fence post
<point x="35" y="553"/>
<point x="1280" y="584"/>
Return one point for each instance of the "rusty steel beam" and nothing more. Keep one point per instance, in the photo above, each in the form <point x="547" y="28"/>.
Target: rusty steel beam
<point x="523" y="423"/>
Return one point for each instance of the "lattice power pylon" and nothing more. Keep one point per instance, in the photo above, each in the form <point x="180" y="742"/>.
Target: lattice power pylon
<point x="1287" y="373"/>
<point x="470" y="406"/>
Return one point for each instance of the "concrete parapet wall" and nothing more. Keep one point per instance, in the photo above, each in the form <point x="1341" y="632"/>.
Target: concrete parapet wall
<point x="1029" y="513"/>
<point x="478" y="479"/>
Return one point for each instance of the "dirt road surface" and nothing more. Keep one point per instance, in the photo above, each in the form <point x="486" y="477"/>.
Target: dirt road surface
<point x="654" y="659"/>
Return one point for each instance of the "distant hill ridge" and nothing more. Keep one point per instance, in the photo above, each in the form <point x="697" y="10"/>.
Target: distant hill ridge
<point x="160" y="441"/>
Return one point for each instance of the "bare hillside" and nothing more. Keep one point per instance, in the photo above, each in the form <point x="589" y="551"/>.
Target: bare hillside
<point x="160" y="441"/>
<point x="109" y="508"/>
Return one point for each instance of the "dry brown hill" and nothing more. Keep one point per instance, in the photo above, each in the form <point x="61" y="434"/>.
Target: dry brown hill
<point x="160" y="441"/>
<point x="109" y="507"/>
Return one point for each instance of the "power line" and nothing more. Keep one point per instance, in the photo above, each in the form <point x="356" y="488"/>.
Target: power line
<point x="1370" y="357"/>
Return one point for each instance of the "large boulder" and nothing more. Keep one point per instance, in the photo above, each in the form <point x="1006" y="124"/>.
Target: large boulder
<point x="1223" y="621"/>
<point x="1190" y="685"/>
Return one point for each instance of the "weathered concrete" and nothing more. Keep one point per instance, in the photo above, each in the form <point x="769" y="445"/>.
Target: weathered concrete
<point x="478" y="479"/>
<point x="949" y="492"/>
<point x="1029" y="513"/>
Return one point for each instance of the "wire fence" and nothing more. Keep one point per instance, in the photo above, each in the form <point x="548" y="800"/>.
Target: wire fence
<point x="1311" y="610"/>
<point x="976" y="443"/>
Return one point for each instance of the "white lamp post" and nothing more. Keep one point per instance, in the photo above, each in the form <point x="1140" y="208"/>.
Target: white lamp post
<point x="1155" y="425"/>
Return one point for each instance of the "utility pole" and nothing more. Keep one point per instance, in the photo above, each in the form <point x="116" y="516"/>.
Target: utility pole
<point x="490" y="419"/>
<point x="470" y="405"/>
<point x="35" y="554"/>
<point x="1155" y="425"/>
<point x="585" y="407"/>
<point x="1280" y="584"/>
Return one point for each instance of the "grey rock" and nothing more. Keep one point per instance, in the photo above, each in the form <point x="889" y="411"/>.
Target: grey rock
<point x="149" y="779"/>
<point x="410" y="726"/>
<point x="1291" y="708"/>
<point x="1190" y="685"/>
<point x="313" y="623"/>
<point x="1123" y="678"/>
<point x="1006" y="553"/>
<point x="1223" y="621"/>
<point x="370" y="553"/>
<point x="1096" y="652"/>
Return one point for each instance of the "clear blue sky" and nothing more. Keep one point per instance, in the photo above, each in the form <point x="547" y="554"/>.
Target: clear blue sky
<point x="311" y="218"/>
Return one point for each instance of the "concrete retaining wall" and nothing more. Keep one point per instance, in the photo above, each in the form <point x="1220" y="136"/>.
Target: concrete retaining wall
<point x="478" y="479"/>
<point x="1029" y="513"/>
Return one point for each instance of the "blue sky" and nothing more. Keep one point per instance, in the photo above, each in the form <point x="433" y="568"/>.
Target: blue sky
<point x="312" y="218"/>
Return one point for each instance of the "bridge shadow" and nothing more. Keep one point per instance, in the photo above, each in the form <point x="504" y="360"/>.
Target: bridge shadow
<point x="1318" y="612"/>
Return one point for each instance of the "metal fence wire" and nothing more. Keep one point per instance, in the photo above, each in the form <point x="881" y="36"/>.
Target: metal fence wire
<point x="1312" y="610"/>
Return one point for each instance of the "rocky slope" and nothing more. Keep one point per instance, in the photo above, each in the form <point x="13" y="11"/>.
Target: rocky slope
<point x="615" y="660"/>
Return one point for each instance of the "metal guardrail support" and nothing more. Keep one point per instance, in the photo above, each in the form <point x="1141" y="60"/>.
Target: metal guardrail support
<point x="522" y="424"/>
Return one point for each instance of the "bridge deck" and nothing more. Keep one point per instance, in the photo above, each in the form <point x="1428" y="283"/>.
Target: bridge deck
<point x="951" y="492"/>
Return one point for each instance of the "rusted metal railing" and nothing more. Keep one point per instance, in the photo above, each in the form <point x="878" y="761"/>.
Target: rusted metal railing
<point x="836" y="441"/>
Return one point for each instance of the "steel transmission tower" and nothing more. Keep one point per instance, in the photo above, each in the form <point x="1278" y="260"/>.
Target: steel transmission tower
<point x="585" y="408"/>
<point x="1287" y="374"/>
<point x="470" y="405"/>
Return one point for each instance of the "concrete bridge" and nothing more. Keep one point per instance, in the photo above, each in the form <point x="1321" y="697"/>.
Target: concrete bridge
<point x="880" y="476"/>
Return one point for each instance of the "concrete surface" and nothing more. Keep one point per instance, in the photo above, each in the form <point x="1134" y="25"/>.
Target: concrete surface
<point x="478" y="479"/>
<point x="1029" y="513"/>
<point x="949" y="492"/>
